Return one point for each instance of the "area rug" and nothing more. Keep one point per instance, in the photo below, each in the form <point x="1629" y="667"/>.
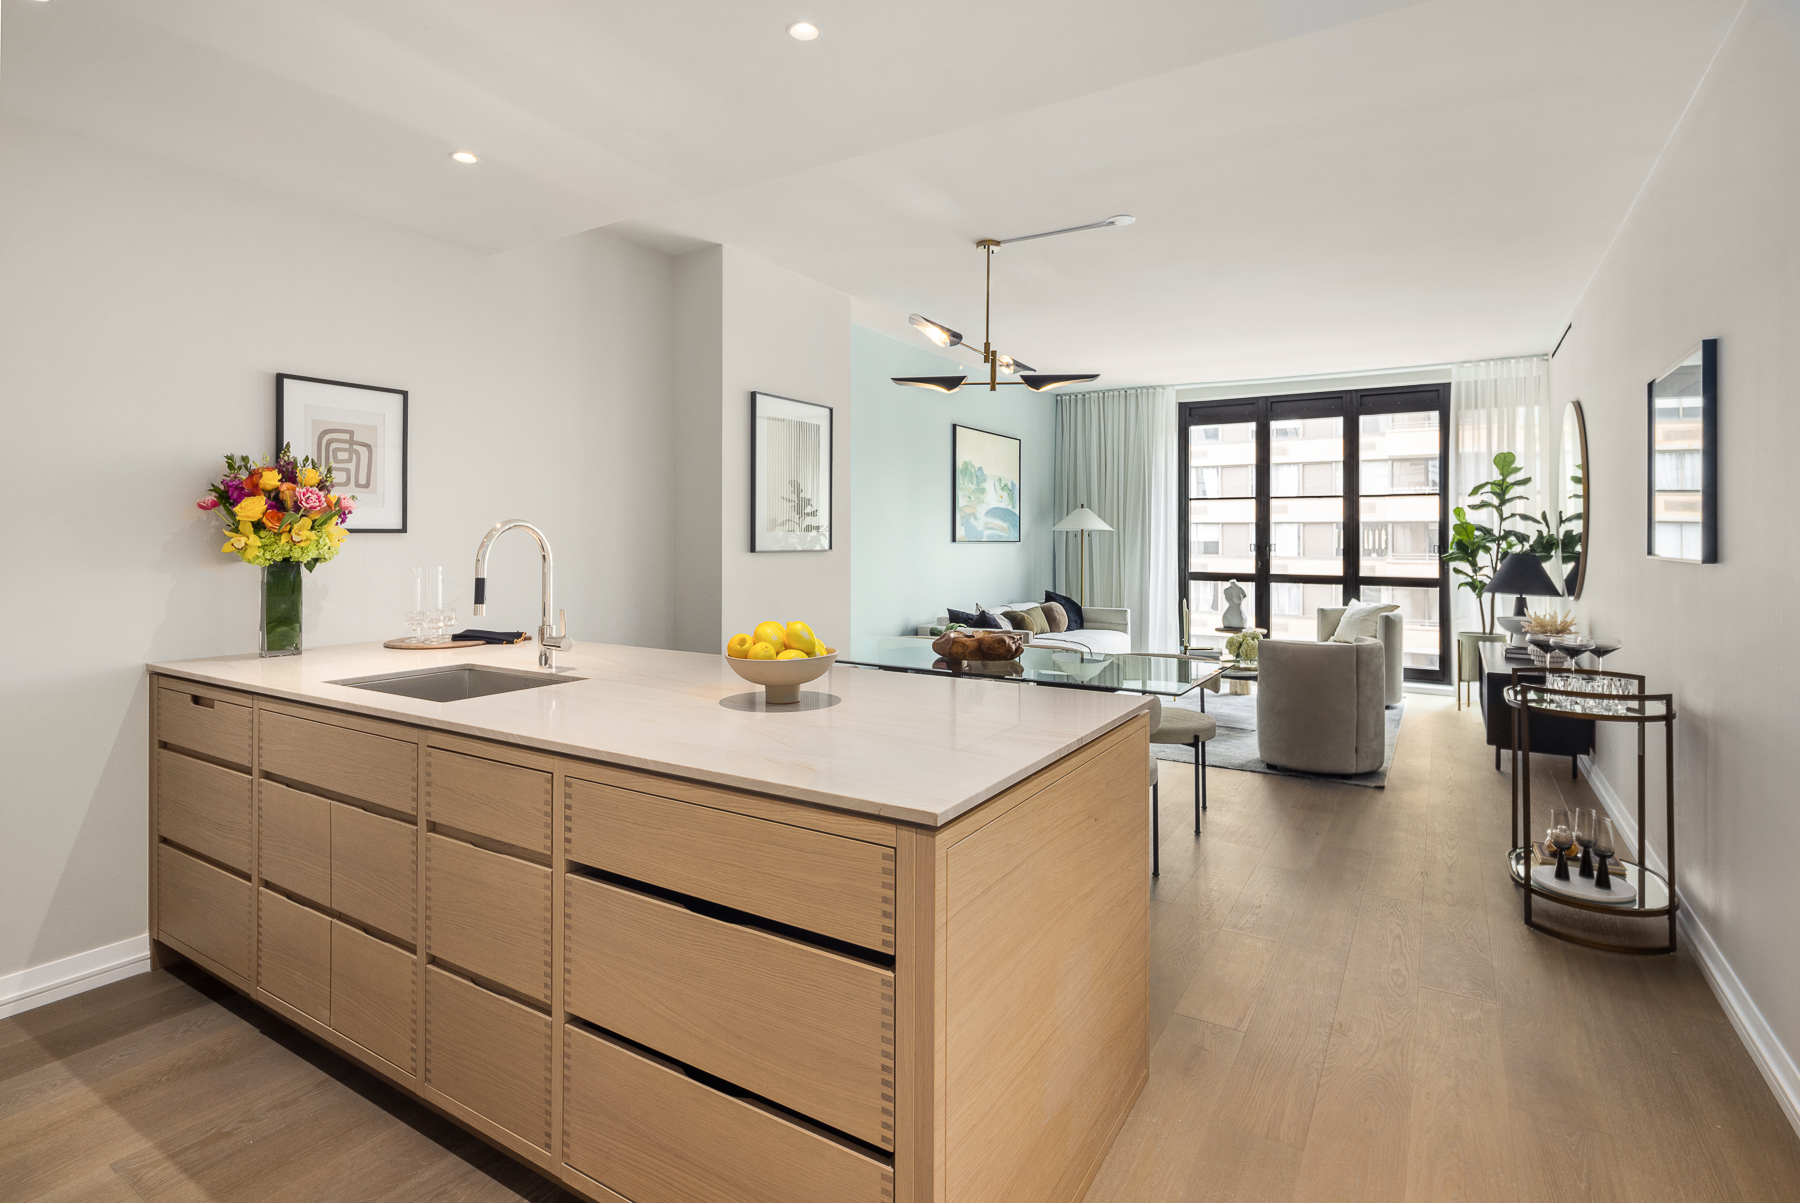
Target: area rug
<point x="1234" y="747"/>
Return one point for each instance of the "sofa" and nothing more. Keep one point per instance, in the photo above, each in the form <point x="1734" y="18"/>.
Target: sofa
<point x="1105" y="630"/>
<point x="1393" y="644"/>
<point x="1320" y="707"/>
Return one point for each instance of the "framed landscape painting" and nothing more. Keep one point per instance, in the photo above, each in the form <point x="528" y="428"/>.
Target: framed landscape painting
<point x="986" y="483"/>
<point x="358" y="431"/>
<point x="790" y="474"/>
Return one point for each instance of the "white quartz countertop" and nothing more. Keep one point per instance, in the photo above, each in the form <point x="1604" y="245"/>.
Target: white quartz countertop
<point x="903" y="746"/>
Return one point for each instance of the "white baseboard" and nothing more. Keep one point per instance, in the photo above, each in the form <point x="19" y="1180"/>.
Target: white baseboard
<point x="84" y="971"/>
<point x="1771" y="1056"/>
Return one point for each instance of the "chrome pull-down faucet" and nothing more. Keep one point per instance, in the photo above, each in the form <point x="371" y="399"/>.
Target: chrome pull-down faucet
<point x="551" y="638"/>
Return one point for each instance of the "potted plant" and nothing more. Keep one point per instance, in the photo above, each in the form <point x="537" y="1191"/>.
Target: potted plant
<point x="1476" y="549"/>
<point x="279" y="517"/>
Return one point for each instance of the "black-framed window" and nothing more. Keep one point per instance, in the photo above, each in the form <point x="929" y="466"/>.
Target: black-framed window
<point x="1314" y="499"/>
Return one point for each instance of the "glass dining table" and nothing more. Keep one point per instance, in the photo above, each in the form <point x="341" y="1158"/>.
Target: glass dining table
<point x="1168" y="675"/>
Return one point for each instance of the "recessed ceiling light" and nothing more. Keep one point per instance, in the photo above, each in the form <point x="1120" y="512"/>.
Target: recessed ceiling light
<point x="803" y="31"/>
<point x="464" y="156"/>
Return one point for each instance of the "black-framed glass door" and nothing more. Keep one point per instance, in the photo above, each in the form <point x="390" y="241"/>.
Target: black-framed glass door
<point x="1276" y="497"/>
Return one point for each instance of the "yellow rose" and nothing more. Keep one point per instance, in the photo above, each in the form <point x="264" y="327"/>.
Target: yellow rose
<point x="250" y="509"/>
<point x="309" y="477"/>
<point x="270" y="478"/>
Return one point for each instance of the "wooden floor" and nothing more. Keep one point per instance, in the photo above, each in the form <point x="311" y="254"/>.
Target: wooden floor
<point x="1344" y="1006"/>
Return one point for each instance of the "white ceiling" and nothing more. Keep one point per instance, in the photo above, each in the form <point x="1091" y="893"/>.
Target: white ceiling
<point x="1320" y="185"/>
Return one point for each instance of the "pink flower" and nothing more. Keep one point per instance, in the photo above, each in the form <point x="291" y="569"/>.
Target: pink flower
<point x="346" y="506"/>
<point x="208" y="503"/>
<point x="308" y="498"/>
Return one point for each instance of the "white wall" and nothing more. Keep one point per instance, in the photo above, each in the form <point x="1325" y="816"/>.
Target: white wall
<point x="755" y="327"/>
<point x="907" y="569"/>
<point x="1712" y="250"/>
<point x="144" y="309"/>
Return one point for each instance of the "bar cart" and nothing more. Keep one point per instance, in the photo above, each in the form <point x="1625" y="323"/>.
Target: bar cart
<point x="1603" y="697"/>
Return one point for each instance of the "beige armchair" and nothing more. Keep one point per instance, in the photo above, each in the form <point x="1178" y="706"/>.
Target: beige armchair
<point x="1393" y="642"/>
<point x="1319" y="706"/>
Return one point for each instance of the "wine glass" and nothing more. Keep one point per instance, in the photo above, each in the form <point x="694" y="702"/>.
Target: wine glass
<point x="1562" y="838"/>
<point x="434" y="602"/>
<point x="415" y="613"/>
<point x="1584" y="836"/>
<point x="1604" y="846"/>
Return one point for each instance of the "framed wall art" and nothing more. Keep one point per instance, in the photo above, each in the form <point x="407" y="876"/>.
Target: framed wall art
<point x="357" y="430"/>
<point x="985" y="486"/>
<point x="790" y="474"/>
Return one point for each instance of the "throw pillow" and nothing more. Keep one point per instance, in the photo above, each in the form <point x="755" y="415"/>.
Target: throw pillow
<point x="1054" y="618"/>
<point x="1071" y="610"/>
<point x="1016" y="620"/>
<point x="987" y="620"/>
<point x="1031" y="618"/>
<point x="965" y="617"/>
<point x="1361" y="620"/>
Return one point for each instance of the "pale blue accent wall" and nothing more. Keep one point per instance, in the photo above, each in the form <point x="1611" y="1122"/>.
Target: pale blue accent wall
<point x="905" y="570"/>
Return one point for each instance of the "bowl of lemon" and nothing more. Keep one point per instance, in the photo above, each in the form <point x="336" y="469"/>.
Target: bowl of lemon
<point x="780" y="658"/>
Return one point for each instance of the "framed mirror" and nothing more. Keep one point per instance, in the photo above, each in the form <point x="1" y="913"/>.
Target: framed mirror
<point x="1572" y="501"/>
<point x="1684" y="459"/>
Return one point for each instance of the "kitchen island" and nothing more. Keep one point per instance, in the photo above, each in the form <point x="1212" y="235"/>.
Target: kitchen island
<point x="668" y="949"/>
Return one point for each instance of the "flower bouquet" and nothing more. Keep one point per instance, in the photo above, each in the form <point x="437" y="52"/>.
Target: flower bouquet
<point x="279" y="517"/>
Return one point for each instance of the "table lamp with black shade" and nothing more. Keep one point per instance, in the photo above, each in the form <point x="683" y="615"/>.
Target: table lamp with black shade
<point x="1520" y="573"/>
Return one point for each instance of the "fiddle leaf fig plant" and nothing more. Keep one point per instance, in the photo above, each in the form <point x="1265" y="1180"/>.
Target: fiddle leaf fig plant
<point x="1477" y="548"/>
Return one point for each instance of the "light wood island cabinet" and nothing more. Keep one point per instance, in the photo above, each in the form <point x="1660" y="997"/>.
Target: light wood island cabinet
<point x="661" y="990"/>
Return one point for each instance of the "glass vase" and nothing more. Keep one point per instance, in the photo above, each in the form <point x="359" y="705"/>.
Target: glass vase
<point x="281" y="608"/>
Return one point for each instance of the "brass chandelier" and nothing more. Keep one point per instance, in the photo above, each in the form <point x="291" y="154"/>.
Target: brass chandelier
<point x="995" y="361"/>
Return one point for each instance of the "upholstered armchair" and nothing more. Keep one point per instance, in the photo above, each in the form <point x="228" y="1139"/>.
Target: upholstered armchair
<point x="1393" y="642"/>
<point x="1320" y="707"/>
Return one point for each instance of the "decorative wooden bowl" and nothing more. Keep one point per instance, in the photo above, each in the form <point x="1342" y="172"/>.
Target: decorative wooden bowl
<point x="781" y="679"/>
<point x="979" y="645"/>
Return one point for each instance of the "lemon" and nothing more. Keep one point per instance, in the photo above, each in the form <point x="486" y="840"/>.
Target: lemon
<point x="800" y="635"/>
<point x="770" y="633"/>
<point x="739" y="647"/>
<point x="762" y="651"/>
<point x="793" y="653"/>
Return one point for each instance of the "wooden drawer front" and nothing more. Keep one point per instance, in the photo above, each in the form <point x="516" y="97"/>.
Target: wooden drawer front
<point x="373" y="1000"/>
<point x="485" y="797"/>
<point x="808" y="1029"/>
<point x="488" y="1053"/>
<point x="294" y="847"/>
<point x="203" y="807"/>
<point x="823" y="883"/>
<point x="293" y="956"/>
<point x="488" y="914"/>
<point x="374" y="870"/>
<point x="211" y="726"/>
<point x="204" y="907"/>
<point x="356" y="764"/>
<point x="655" y="1136"/>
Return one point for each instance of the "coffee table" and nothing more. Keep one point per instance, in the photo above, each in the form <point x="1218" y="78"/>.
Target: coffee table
<point x="1166" y="674"/>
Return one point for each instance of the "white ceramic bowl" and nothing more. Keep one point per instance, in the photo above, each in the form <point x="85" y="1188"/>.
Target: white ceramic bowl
<point x="781" y="679"/>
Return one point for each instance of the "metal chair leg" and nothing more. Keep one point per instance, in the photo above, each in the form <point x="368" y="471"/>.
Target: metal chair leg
<point x="1199" y="782"/>
<point x="1202" y="777"/>
<point x="1155" y="829"/>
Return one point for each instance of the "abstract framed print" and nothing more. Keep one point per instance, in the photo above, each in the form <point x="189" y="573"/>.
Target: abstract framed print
<point x="358" y="431"/>
<point x="984" y="478"/>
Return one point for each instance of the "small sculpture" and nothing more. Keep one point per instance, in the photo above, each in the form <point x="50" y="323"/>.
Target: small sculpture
<point x="1233" y="618"/>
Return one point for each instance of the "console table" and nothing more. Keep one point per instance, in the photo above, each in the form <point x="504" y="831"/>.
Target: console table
<point x="1551" y="734"/>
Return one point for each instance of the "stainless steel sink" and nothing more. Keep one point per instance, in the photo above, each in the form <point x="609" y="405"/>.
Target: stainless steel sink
<point x="455" y="682"/>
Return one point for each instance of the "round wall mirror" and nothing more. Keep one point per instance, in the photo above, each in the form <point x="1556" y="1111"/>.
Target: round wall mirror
<point x="1572" y="502"/>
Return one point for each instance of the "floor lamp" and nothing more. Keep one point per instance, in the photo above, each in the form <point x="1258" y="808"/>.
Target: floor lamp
<point x="1084" y="520"/>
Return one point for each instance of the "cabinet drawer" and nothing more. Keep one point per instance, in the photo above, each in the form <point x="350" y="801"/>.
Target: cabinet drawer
<point x="374" y="870"/>
<point x="488" y="1053"/>
<point x="205" y="908"/>
<point x="806" y="1028"/>
<point x="294" y="847"/>
<point x="203" y="807"/>
<point x="356" y="764"/>
<point x="293" y="955"/>
<point x="202" y="723"/>
<point x="488" y="914"/>
<point x="373" y="998"/>
<point x="822" y="883"/>
<point x="504" y="802"/>
<point x="652" y="1134"/>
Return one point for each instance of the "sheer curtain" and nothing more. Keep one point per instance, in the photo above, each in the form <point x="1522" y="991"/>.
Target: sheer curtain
<point x="1497" y="405"/>
<point x="1115" y="451"/>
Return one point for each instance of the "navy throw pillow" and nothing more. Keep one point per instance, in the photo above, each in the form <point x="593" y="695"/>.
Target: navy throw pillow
<point x="1069" y="607"/>
<point x="981" y="619"/>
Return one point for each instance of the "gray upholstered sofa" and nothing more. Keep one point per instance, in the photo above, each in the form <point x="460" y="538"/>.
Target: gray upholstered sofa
<point x="1320" y="707"/>
<point x="1393" y="642"/>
